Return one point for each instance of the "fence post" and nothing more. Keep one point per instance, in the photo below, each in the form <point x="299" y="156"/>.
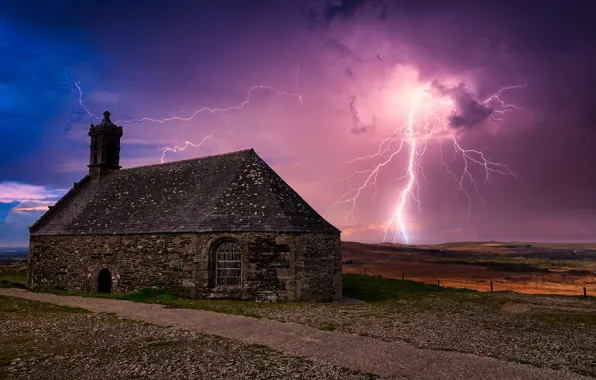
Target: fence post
<point x="491" y="286"/>
<point x="439" y="283"/>
<point x="585" y="293"/>
<point x="403" y="276"/>
<point x="364" y="269"/>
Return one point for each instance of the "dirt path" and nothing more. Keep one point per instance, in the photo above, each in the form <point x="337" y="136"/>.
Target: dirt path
<point x="388" y="359"/>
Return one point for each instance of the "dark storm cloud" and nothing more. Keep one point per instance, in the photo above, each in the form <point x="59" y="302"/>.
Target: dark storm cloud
<point x="468" y="112"/>
<point x="348" y="8"/>
<point x="338" y="47"/>
<point x="357" y="126"/>
<point x="342" y="8"/>
<point x="32" y="92"/>
<point x="163" y="56"/>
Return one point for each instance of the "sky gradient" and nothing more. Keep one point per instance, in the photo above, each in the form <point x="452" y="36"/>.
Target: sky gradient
<point x="339" y="77"/>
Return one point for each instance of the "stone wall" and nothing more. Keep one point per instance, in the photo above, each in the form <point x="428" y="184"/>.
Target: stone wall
<point x="275" y="267"/>
<point x="318" y="267"/>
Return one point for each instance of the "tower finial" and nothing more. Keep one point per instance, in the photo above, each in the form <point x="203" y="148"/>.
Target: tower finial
<point x="106" y="116"/>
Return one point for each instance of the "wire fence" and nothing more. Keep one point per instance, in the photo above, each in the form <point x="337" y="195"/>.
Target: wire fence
<point x="491" y="285"/>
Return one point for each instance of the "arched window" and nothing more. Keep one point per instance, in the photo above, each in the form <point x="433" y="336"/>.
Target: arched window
<point x="228" y="264"/>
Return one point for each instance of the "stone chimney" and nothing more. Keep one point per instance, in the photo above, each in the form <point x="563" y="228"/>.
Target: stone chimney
<point x="104" y="152"/>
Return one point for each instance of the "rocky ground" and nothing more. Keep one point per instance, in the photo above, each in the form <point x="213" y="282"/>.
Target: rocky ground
<point x="553" y="332"/>
<point x="44" y="341"/>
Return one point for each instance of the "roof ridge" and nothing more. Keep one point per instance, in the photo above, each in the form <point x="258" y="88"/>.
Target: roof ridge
<point x="189" y="159"/>
<point x="240" y="192"/>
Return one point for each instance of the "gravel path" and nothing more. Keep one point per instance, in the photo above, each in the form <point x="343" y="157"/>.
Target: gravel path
<point x="51" y="342"/>
<point x="544" y="331"/>
<point x="388" y="359"/>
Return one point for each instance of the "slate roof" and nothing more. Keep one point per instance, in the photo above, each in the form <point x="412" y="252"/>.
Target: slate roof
<point x="233" y="192"/>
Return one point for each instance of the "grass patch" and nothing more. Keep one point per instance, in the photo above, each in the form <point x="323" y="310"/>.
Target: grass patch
<point x="7" y="357"/>
<point x="363" y="287"/>
<point x="12" y="284"/>
<point x="20" y="305"/>
<point x="160" y="343"/>
<point x="13" y="279"/>
<point x="373" y="289"/>
<point x="565" y="317"/>
<point x="366" y="288"/>
<point x="259" y="347"/>
<point x="163" y="297"/>
<point x="151" y="295"/>
<point x="15" y="340"/>
<point x="328" y="326"/>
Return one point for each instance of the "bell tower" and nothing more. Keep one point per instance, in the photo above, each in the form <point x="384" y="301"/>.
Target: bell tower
<point x="104" y="150"/>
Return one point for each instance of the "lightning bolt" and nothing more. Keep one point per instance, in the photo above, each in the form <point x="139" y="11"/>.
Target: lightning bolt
<point x="216" y="110"/>
<point x="76" y="86"/>
<point x="177" y="148"/>
<point x="423" y="124"/>
<point x="398" y="215"/>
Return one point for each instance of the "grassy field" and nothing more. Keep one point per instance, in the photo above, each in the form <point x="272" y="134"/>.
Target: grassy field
<point x="548" y="331"/>
<point x="534" y="268"/>
<point x="12" y="278"/>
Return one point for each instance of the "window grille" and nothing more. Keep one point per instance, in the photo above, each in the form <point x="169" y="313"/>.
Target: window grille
<point x="228" y="264"/>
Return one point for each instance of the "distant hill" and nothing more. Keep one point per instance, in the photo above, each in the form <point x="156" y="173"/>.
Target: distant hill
<point x="485" y="246"/>
<point x="13" y="251"/>
<point x="9" y="255"/>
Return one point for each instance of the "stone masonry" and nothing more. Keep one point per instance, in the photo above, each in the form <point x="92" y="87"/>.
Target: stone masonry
<point x="275" y="267"/>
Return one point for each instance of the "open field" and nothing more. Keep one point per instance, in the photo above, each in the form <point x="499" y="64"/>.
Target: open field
<point x="390" y="359"/>
<point x="10" y="255"/>
<point x="13" y="275"/>
<point x="547" y="331"/>
<point x="555" y="332"/>
<point x="537" y="268"/>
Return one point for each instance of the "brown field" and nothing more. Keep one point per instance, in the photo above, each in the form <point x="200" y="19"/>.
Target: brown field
<point x="537" y="268"/>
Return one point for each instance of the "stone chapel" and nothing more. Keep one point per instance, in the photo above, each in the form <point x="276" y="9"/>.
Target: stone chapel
<point x="217" y="227"/>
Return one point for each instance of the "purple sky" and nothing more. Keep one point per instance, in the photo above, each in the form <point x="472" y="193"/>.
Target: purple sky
<point x="363" y="69"/>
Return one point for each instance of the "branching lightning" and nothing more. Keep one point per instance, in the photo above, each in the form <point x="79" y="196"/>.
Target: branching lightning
<point x="260" y="87"/>
<point x="424" y="123"/>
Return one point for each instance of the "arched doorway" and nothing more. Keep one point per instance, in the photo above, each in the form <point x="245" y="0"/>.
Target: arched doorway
<point x="104" y="281"/>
